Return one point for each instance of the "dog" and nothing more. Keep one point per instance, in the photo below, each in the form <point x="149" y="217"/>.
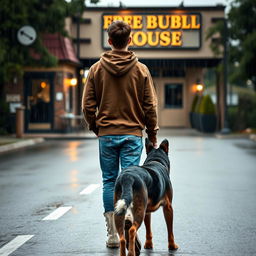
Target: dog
<point x="140" y="190"/>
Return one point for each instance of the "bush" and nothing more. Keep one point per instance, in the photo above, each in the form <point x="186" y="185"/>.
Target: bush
<point x="205" y="119"/>
<point x="192" y="114"/>
<point x="195" y="114"/>
<point x="247" y="109"/>
<point x="252" y="118"/>
<point x="206" y="106"/>
<point x="232" y="117"/>
<point x="195" y="100"/>
<point x="198" y="103"/>
<point x="244" y="115"/>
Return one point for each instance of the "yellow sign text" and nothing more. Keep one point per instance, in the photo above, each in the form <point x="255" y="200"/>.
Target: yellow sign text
<point x="163" y="30"/>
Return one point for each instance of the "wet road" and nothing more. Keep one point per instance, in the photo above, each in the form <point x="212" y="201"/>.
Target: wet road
<point x="214" y="199"/>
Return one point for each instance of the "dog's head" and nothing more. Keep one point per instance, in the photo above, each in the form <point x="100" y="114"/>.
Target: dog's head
<point x="159" y="154"/>
<point x="164" y="146"/>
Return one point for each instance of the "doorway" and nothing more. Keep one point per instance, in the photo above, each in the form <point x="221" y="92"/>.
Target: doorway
<point x="38" y="97"/>
<point x="172" y="104"/>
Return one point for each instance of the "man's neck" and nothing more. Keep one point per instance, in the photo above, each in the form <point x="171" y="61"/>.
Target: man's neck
<point x="123" y="49"/>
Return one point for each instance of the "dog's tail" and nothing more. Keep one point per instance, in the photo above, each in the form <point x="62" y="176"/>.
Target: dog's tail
<point x="127" y="194"/>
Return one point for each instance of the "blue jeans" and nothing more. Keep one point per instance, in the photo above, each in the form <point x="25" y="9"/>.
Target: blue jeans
<point x="114" y="150"/>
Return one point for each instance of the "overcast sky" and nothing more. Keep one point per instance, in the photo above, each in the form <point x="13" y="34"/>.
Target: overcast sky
<point x="149" y="3"/>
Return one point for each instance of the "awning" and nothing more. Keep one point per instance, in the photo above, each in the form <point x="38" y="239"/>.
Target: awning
<point x="59" y="46"/>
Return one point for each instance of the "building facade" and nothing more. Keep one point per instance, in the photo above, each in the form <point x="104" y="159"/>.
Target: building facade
<point x="49" y="95"/>
<point x="170" y="41"/>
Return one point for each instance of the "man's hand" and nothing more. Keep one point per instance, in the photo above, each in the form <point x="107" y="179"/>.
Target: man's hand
<point x="153" y="140"/>
<point x="96" y="131"/>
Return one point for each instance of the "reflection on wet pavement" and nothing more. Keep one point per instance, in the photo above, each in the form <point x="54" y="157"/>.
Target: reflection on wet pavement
<point x="72" y="150"/>
<point x="73" y="179"/>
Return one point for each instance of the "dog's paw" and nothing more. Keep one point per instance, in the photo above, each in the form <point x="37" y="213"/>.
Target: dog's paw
<point x="148" y="245"/>
<point x="173" y="247"/>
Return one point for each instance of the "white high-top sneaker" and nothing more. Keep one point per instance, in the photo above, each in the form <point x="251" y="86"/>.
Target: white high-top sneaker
<point x="113" y="239"/>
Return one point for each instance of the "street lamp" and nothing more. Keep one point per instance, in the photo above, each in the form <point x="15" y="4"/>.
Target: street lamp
<point x="73" y="82"/>
<point x="78" y="20"/>
<point x="199" y="86"/>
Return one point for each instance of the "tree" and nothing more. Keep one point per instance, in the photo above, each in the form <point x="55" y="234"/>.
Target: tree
<point x="46" y="16"/>
<point x="242" y="19"/>
<point x="220" y="47"/>
<point x="241" y="40"/>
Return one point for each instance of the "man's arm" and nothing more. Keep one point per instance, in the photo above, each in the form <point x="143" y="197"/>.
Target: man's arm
<point x="150" y="109"/>
<point x="89" y="104"/>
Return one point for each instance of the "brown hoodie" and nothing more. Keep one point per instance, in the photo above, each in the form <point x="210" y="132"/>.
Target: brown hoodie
<point x="119" y="96"/>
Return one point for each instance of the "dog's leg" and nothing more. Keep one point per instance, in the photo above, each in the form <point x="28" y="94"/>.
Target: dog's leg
<point x="122" y="245"/>
<point x="128" y="225"/>
<point x="134" y="243"/>
<point x="139" y="210"/>
<point x="147" y="221"/>
<point x="119" y="222"/>
<point x="168" y="215"/>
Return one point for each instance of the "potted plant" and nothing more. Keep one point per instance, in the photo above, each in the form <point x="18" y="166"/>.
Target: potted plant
<point x="208" y="120"/>
<point x="196" y="115"/>
<point x="192" y="112"/>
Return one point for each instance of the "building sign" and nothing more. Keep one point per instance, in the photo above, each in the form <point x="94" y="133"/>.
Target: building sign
<point x="13" y="98"/>
<point x="159" y="31"/>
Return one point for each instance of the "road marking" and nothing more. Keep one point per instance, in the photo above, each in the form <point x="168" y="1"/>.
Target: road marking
<point x="14" y="244"/>
<point x="89" y="189"/>
<point x="58" y="213"/>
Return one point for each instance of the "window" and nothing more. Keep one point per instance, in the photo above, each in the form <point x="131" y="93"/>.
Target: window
<point x="173" y="96"/>
<point x="171" y="72"/>
<point x="155" y="72"/>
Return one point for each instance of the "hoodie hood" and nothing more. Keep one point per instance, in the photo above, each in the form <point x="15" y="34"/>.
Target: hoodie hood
<point x="118" y="63"/>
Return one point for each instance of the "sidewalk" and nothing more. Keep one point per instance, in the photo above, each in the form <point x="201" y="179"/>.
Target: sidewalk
<point x="10" y="142"/>
<point x="173" y="132"/>
<point x="84" y="135"/>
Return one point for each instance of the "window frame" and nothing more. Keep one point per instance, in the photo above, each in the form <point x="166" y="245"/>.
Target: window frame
<point x="174" y="106"/>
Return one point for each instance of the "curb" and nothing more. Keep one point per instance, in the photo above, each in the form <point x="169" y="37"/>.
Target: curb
<point x="62" y="136"/>
<point x="20" y="144"/>
<point x="251" y="137"/>
<point x="70" y="137"/>
<point x="231" y="136"/>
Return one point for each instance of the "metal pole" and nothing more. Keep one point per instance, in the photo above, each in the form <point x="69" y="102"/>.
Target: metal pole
<point x="78" y="36"/>
<point x="20" y="121"/>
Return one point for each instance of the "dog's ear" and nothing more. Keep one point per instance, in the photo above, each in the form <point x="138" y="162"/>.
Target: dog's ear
<point x="148" y="145"/>
<point x="165" y="146"/>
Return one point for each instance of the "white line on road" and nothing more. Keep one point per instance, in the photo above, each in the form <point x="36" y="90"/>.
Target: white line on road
<point x="58" y="213"/>
<point x="89" y="189"/>
<point x="14" y="244"/>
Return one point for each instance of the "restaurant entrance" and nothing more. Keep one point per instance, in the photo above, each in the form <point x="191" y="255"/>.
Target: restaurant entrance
<point x="172" y="104"/>
<point x="38" y="101"/>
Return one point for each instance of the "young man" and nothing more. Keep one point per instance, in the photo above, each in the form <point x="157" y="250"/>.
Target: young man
<point x="119" y="101"/>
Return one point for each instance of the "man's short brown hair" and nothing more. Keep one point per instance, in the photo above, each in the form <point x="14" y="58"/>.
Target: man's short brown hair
<point x="119" y="33"/>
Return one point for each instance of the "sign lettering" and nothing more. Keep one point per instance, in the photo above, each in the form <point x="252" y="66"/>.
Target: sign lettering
<point x="159" y="31"/>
